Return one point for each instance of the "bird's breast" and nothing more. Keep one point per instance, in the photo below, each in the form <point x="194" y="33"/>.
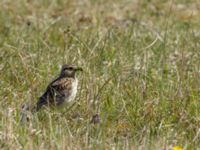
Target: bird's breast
<point x="73" y="91"/>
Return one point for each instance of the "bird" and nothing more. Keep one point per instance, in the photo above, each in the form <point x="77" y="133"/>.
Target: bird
<point x="59" y="92"/>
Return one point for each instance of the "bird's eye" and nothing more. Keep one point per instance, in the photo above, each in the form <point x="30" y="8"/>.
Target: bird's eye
<point x="70" y="68"/>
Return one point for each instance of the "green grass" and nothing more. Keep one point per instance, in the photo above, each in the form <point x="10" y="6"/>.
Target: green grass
<point x="141" y="73"/>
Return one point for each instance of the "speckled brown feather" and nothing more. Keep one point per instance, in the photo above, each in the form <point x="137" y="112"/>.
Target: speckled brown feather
<point x="63" y="84"/>
<point x="56" y="92"/>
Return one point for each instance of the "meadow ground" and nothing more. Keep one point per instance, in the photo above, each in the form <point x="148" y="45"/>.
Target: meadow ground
<point x="141" y="62"/>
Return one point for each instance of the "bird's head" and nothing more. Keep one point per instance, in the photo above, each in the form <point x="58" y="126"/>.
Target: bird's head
<point x="69" y="70"/>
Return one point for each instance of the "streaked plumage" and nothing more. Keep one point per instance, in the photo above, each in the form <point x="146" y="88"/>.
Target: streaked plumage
<point x="60" y="91"/>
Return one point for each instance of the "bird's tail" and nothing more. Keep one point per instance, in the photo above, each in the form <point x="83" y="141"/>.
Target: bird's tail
<point x="26" y="112"/>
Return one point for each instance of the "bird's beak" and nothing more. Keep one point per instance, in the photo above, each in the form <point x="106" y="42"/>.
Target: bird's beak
<point x="79" y="69"/>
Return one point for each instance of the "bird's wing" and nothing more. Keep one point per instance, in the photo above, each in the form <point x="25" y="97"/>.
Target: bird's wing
<point x="56" y="91"/>
<point x="62" y="88"/>
<point x="62" y="84"/>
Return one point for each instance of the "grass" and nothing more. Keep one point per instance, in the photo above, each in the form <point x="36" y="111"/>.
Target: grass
<point x="141" y="73"/>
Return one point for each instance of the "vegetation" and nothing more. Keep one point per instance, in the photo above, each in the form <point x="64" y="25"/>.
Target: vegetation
<point x="141" y="73"/>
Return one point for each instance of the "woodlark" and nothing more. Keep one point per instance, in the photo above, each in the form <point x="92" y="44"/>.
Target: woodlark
<point x="58" y="92"/>
<point x="61" y="90"/>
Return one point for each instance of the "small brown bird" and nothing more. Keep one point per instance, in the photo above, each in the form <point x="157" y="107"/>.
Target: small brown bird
<point x="60" y="91"/>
